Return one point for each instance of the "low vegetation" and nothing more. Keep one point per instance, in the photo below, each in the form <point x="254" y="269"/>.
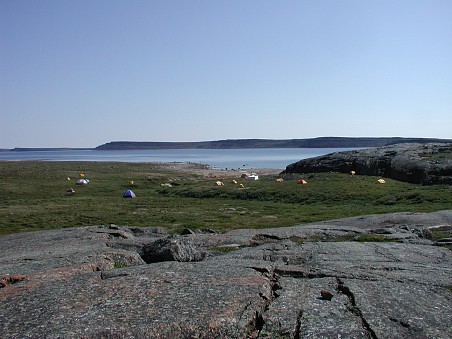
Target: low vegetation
<point x="441" y="232"/>
<point x="343" y="238"/>
<point x="363" y="238"/>
<point x="224" y="249"/>
<point x="33" y="197"/>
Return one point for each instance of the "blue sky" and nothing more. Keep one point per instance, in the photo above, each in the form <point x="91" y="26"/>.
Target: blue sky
<point x="82" y="73"/>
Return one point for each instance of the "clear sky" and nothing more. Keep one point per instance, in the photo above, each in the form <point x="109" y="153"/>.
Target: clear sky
<point x="82" y="73"/>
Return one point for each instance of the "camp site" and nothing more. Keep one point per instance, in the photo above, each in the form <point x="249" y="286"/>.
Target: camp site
<point x="34" y="196"/>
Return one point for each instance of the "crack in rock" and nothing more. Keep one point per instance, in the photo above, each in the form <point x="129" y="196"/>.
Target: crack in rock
<point x="342" y="288"/>
<point x="301" y="274"/>
<point x="298" y="325"/>
<point x="248" y="304"/>
<point x="257" y="323"/>
<point x="112" y="274"/>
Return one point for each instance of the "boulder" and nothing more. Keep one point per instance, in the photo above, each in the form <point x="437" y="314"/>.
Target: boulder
<point x="179" y="249"/>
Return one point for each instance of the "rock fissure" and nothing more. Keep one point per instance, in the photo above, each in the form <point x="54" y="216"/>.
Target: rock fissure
<point x="342" y="288"/>
<point x="245" y="308"/>
<point x="298" y="325"/>
<point x="301" y="274"/>
<point x="255" y="326"/>
<point x="268" y="296"/>
<point x="104" y="275"/>
<point x="262" y="270"/>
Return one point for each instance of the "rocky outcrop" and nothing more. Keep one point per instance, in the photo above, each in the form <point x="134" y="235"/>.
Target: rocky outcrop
<point x="377" y="276"/>
<point x="416" y="163"/>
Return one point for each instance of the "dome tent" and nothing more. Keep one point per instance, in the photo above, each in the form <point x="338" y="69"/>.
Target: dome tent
<point x="129" y="194"/>
<point x="82" y="182"/>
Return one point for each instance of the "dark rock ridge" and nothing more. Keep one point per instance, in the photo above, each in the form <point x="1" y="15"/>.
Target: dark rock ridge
<point x="129" y="282"/>
<point x="416" y="163"/>
<point x="322" y="142"/>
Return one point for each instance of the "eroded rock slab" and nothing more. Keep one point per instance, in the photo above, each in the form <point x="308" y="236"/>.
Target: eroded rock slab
<point x="98" y="282"/>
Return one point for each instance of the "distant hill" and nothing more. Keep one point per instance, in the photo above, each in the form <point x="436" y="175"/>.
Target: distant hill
<point x="321" y="142"/>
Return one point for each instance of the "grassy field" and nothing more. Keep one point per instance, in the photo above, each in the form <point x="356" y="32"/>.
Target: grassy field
<point x="33" y="197"/>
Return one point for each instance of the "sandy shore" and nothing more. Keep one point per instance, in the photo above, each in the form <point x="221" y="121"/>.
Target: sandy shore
<point x="206" y="171"/>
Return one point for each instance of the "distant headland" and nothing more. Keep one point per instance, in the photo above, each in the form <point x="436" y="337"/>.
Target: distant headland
<point x="320" y="142"/>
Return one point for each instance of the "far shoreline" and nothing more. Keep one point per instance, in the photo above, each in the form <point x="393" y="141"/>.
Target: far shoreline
<point x="205" y="170"/>
<point x="319" y="142"/>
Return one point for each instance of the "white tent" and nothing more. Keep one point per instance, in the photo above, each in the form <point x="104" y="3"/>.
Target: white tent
<point x="82" y="182"/>
<point x="252" y="176"/>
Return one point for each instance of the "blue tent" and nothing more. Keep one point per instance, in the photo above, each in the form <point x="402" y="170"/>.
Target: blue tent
<point x="129" y="194"/>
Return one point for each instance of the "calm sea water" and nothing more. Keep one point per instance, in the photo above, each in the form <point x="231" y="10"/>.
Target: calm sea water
<point x="277" y="158"/>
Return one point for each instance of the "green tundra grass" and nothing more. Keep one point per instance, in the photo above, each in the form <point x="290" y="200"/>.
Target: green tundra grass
<point x="33" y="197"/>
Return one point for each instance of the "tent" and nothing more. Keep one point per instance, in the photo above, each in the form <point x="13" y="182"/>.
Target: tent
<point x="252" y="176"/>
<point x="129" y="194"/>
<point x="302" y="181"/>
<point x="381" y="181"/>
<point x="82" y="182"/>
<point x="70" y="190"/>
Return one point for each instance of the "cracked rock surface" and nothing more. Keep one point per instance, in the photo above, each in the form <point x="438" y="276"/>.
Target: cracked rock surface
<point x="114" y="282"/>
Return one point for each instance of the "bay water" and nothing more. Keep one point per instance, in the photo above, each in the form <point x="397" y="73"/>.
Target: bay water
<point x="249" y="158"/>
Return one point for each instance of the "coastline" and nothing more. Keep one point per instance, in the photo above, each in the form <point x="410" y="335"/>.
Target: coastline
<point x="209" y="172"/>
<point x="238" y="159"/>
